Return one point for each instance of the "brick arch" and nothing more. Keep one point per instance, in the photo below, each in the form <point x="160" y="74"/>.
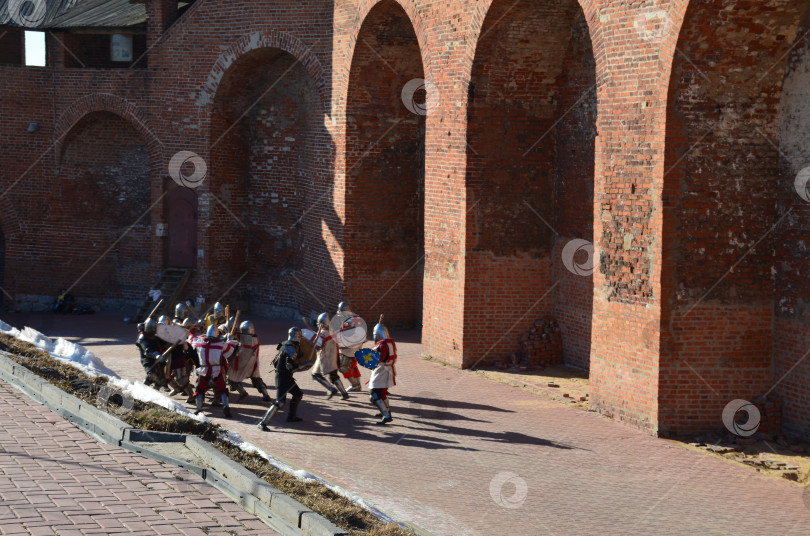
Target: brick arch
<point x="106" y="102"/>
<point x="385" y="163"/>
<point x="419" y="29"/>
<point x="530" y="176"/>
<point x="589" y="8"/>
<point x="725" y="323"/>
<point x="259" y="40"/>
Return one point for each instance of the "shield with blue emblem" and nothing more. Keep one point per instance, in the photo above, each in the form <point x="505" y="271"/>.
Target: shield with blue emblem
<point x="367" y="358"/>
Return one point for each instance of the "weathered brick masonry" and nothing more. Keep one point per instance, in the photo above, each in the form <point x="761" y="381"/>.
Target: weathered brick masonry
<point x="667" y="134"/>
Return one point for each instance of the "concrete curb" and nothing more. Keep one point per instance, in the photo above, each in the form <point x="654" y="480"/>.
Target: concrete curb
<point x="256" y="496"/>
<point x="100" y="425"/>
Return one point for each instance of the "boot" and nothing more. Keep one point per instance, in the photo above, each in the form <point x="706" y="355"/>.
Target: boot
<point x="199" y="404"/>
<point x="355" y="385"/>
<point x="175" y="388"/>
<point x="388" y="408"/>
<point x="272" y="410"/>
<point x="263" y="390"/>
<point x="323" y="382"/>
<point x="242" y="393"/>
<point x="291" y="415"/>
<point x="386" y="418"/>
<point x="189" y="390"/>
<point x="226" y="410"/>
<point x="339" y="385"/>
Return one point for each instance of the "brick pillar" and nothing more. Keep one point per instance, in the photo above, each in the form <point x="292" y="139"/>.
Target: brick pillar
<point x="160" y="15"/>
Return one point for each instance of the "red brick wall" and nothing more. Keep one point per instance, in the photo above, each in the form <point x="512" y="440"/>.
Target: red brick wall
<point x="385" y="161"/>
<point x="719" y="195"/>
<point x="101" y="191"/>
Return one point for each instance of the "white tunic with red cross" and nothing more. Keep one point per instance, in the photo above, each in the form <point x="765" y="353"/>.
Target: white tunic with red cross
<point x="211" y="352"/>
<point x="384" y="374"/>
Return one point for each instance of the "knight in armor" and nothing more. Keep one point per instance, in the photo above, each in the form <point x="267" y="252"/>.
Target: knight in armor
<point x="287" y="360"/>
<point x="245" y="363"/>
<point x="149" y="346"/>
<point x="383" y="377"/>
<point x="180" y="313"/>
<point x="327" y="361"/>
<point x="216" y="317"/>
<point x="348" y="363"/>
<point x="212" y="353"/>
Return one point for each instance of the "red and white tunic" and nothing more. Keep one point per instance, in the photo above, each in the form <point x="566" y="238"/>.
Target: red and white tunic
<point x="327" y="361"/>
<point x="211" y="354"/>
<point x="384" y="374"/>
<point x="245" y="363"/>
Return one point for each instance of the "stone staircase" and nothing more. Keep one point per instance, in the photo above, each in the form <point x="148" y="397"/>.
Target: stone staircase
<point x="171" y="284"/>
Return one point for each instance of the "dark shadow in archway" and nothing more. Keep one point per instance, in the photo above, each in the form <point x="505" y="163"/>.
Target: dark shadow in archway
<point x="530" y="162"/>
<point x="385" y="170"/>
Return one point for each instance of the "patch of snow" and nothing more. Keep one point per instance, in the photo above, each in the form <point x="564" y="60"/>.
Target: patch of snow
<point x="250" y="448"/>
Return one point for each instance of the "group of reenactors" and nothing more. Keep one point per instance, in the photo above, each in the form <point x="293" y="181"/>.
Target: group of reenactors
<point x="224" y="354"/>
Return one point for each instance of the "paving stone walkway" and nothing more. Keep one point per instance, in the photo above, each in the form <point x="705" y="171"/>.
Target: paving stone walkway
<point x="57" y="480"/>
<point x="469" y="456"/>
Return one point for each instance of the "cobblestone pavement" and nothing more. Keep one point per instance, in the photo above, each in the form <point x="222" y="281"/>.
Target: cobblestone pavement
<point x="57" y="480"/>
<point x="466" y="455"/>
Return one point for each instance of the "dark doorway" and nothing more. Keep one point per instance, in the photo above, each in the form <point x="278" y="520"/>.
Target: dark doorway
<point x="182" y="228"/>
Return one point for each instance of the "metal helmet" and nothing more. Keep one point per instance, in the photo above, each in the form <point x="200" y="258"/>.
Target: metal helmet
<point x="150" y="326"/>
<point x="344" y="307"/>
<point x="323" y="319"/>
<point x="180" y="310"/>
<point x="187" y="323"/>
<point x="213" y="332"/>
<point x="294" y="334"/>
<point x="163" y="319"/>
<point x="247" y="327"/>
<point x="218" y="309"/>
<point x="380" y="332"/>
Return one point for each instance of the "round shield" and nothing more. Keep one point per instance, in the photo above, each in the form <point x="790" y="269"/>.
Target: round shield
<point x="350" y="329"/>
<point x="367" y="358"/>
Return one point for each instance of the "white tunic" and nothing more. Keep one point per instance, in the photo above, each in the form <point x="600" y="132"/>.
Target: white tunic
<point x="327" y="361"/>
<point x="382" y="377"/>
